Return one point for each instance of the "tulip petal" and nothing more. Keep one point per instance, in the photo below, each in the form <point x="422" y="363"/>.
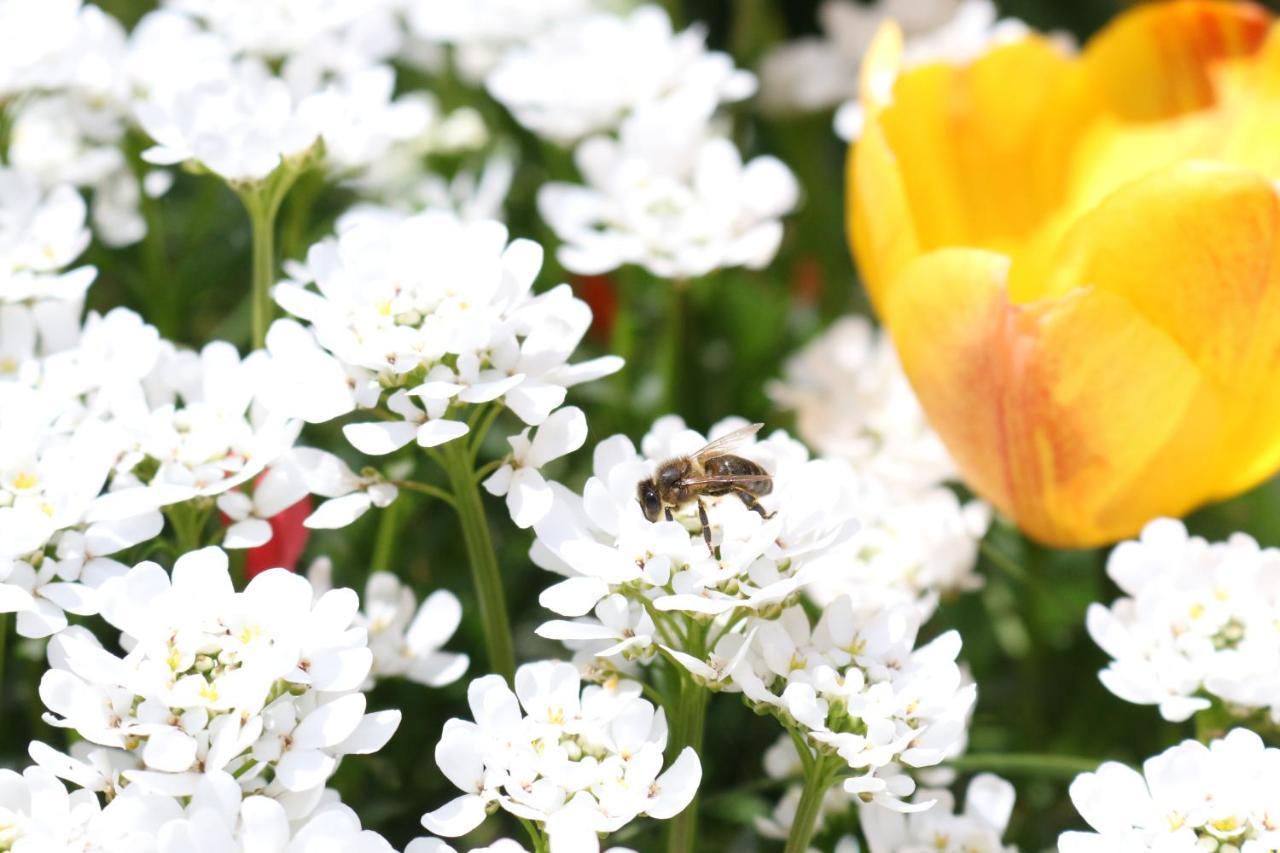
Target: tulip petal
<point x="1196" y="250"/>
<point x="954" y="157"/>
<point x="1174" y="49"/>
<point x="1047" y="407"/>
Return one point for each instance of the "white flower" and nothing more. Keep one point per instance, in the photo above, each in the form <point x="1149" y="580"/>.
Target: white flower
<point x="101" y="425"/>
<point x="37" y="814"/>
<point x="851" y="399"/>
<point x="350" y="496"/>
<point x="588" y="73"/>
<point x="502" y="845"/>
<point x="603" y="544"/>
<point x="1198" y="618"/>
<point x="978" y="829"/>
<point x="41" y="233"/>
<point x="72" y="131"/>
<point x="678" y="204"/>
<point x="404" y="643"/>
<point x="200" y="426"/>
<point x="402" y="186"/>
<point x="277" y="28"/>
<point x="577" y="761"/>
<point x="858" y="689"/>
<point x="817" y="73"/>
<point x="279" y="488"/>
<point x="69" y="128"/>
<point x="913" y="548"/>
<point x="210" y="96"/>
<point x="35" y="36"/>
<point x="242" y="127"/>
<point x="263" y="684"/>
<point x="360" y="121"/>
<point x="216" y="820"/>
<point x="481" y="31"/>
<point x="1191" y="797"/>
<point x="528" y="495"/>
<point x="437" y="314"/>
<point x="620" y="631"/>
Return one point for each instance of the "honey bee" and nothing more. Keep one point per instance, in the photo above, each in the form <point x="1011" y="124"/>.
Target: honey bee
<point x="711" y="472"/>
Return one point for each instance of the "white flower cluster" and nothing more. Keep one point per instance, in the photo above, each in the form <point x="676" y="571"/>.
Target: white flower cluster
<point x="63" y="69"/>
<point x="857" y="687"/>
<point x="425" y="319"/>
<point x="587" y="73"/>
<point x="104" y="424"/>
<point x="224" y="719"/>
<point x="620" y="564"/>
<point x="852" y="401"/>
<point x="1200" y="621"/>
<point x="729" y="614"/>
<point x="481" y="32"/>
<point x="502" y="845"/>
<point x="979" y="828"/>
<point x="38" y="815"/>
<point x="579" y="762"/>
<point x="42" y="232"/>
<point x="678" y="203"/>
<point x="821" y="72"/>
<point x="1192" y="798"/>
<point x="406" y="643"/>
<point x="988" y="803"/>
<point x="210" y="94"/>
<point x="665" y="188"/>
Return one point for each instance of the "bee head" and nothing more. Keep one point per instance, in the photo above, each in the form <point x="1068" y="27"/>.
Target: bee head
<point x="647" y="497"/>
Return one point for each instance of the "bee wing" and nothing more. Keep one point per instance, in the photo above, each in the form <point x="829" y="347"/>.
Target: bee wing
<point x="727" y="478"/>
<point x="726" y="443"/>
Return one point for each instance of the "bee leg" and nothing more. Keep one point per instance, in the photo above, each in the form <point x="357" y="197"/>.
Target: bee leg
<point x="751" y="502"/>
<point x="706" y="527"/>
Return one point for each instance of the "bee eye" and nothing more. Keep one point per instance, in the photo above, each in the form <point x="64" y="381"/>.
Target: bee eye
<point x="647" y="497"/>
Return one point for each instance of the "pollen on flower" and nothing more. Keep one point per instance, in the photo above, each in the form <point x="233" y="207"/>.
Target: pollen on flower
<point x="25" y="481"/>
<point x="1226" y="824"/>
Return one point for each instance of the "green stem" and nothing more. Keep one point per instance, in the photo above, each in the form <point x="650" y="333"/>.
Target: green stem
<point x="262" y="219"/>
<point x="4" y="658"/>
<point x="1003" y="561"/>
<point x="688" y="724"/>
<point x="818" y="779"/>
<point x="536" y="837"/>
<point x="384" y="545"/>
<point x="480" y="554"/>
<point x="1032" y="764"/>
<point x="425" y="489"/>
<point x="480" y="429"/>
<point x="188" y="522"/>
<point x="673" y="364"/>
<point x="262" y="201"/>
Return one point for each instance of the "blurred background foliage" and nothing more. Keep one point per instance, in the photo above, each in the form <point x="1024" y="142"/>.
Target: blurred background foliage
<point x="1024" y="637"/>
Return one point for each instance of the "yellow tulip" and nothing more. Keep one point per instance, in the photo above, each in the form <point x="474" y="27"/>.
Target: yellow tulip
<point x="1078" y="258"/>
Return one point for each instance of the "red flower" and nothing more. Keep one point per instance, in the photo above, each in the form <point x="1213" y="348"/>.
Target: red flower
<point x="600" y="292"/>
<point x="288" y="539"/>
